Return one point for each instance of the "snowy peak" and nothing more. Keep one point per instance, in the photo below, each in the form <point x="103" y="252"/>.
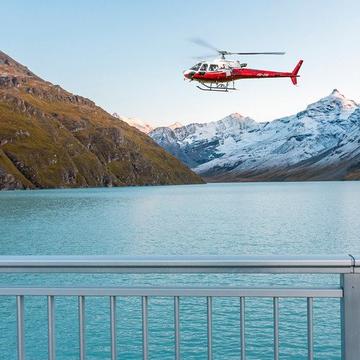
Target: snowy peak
<point x="136" y="123"/>
<point x="341" y="99"/>
<point x="336" y="93"/>
<point x="331" y="106"/>
<point x="236" y="120"/>
<point x="175" y="125"/>
<point x="236" y="117"/>
<point x="142" y="125"/>
<point x="231" y="125"/>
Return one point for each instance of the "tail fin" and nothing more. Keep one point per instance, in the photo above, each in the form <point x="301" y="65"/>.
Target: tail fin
<point x="294" y="73"/>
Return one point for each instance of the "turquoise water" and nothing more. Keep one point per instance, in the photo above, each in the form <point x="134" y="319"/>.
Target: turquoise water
<point x="251" y="218"/>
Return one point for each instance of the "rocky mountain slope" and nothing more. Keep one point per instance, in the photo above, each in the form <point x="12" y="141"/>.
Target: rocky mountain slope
<point x="320" y="143"/>
<point x="52" y="138"/>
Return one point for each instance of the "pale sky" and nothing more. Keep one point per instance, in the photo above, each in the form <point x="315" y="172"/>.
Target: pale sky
<point x="128" y="56"/>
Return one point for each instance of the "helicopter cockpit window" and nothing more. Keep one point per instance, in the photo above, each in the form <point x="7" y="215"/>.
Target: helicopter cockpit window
<point x="196" y="67"/>
<point x="213" y="67"/>
<point x="204" y="67"/>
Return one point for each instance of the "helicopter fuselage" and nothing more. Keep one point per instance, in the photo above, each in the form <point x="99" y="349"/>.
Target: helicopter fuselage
<point x="224" y="71"/>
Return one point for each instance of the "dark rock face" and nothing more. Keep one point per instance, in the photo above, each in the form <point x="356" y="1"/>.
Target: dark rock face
<point x="8" y="181"/>
<point x="52" y="138"/>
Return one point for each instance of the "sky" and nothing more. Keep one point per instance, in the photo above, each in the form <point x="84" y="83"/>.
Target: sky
<point x="128" y="56"/>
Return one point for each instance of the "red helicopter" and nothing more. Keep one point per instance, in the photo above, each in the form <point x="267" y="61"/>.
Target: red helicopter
<point x="221" y="74"/>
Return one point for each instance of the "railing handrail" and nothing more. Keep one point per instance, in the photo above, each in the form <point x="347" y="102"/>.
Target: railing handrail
<point x="342" y="264"/>
<point x="282" y="292"/>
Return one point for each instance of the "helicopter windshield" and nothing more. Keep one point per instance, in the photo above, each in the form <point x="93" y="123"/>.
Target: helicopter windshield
<point x="196" y="67"/>
<point x="204" y="67"/>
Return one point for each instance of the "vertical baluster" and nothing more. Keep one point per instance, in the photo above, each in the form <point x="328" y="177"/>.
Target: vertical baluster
<point x="310" y="327"/>
<point x="177" y="327"/>
<point x="51" y="328"/>
<point x="82" y="326"/>
<point x="20" y="327"/>
<point x="242" y="328"/>
<point x="276" y="328"/>
<point x="145" y="327"/>
<point x="209" y="326"/>
<point x="113" y="327"/>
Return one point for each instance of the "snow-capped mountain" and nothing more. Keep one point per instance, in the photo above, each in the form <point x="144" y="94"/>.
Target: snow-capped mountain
<point x="137" y="123"/>
<point x="175" y="125"/>
<point x="320" y="143"/>
<point x="196" y="144"/>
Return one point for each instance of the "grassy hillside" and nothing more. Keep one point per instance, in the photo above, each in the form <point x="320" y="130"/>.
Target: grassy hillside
<point x="52" y="138"/>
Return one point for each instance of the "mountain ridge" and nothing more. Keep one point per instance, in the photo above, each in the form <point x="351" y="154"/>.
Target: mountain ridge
<point x="319" y="143"/>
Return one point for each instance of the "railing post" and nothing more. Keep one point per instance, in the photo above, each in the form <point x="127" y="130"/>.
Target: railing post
<point x="20" y="327"/>
<point x="350" y="316"/>
<point x="82" y="326"/>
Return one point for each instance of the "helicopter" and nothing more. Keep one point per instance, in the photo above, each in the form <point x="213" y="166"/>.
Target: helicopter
<point x="221" y="73"/>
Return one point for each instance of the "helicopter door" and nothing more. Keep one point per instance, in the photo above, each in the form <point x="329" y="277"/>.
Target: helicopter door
<point x="203" y="69"/>
<point x="227" y="70"/>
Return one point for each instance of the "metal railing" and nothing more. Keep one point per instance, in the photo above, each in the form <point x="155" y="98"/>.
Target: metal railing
<point x="346" y="266"/>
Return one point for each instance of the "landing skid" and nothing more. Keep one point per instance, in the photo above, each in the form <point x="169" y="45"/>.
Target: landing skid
<point x="220" y="87"/>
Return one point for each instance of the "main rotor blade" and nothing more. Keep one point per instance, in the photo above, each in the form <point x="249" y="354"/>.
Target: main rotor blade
<point x="203" y="43"/>
<point x="255" y="53"/>
<point x="204" y="57"/>
<point x="207" y="45"/>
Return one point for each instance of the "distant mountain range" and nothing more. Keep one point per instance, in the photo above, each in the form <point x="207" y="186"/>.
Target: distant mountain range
<point x="142" y="125"/>
<point x="320" y="143"/>
<point x="52" y="138"/>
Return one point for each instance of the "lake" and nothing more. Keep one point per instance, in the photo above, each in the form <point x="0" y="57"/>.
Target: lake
<point x="213" y="219"/>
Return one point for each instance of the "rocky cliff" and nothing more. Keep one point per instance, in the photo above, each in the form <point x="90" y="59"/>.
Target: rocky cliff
<point x="51" y="138"/>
